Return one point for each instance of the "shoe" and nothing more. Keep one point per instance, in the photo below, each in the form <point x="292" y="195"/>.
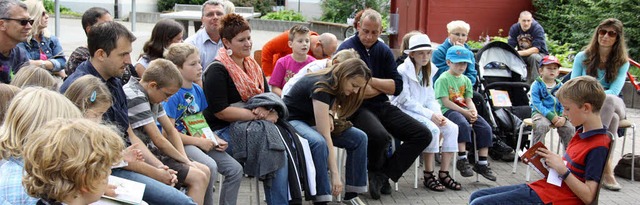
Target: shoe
<point x="375" y="184"/>
<point x="612" y="187"/>
<point x="354" y="201"/>
<point x="485" y="171"/>
<point x="386" y="186"/>
<point x="463" y="166"/>
<point x="508" y="157"/>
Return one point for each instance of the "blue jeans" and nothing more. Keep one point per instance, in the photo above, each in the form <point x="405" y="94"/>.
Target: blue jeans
<point x="276" y="191"/>
<point x="481" y="127"/>
<point x="354" y="141"/>
<point x="155" y="192"/>
<point x="514" y="194"/>
<point x="226" y="136"/>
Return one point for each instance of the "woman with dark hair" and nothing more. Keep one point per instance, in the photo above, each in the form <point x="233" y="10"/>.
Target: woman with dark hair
<point x="315" y="103"/>
<point x="229" y="82"/>
<point x="43" y="48"/>
<point x="605" y="58"/>
<point x="164" y="33"/>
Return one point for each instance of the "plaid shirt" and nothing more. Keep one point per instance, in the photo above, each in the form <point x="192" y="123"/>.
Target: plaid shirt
<point x="11" y="190"/>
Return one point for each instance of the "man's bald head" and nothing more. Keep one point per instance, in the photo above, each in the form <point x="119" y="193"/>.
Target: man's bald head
<point x="325" y="46"/>
<point x="525" y="20"/>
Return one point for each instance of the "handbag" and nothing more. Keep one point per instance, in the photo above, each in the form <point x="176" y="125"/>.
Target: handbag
<point x="340" y="125"/>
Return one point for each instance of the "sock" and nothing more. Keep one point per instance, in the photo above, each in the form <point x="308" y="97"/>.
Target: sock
<point x="350" y="195"/>
<point x="482" y="160"/>
<point x="462" y="155"/>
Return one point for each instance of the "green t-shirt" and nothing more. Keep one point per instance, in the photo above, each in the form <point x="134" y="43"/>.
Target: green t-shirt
<point x="456" y="88"/>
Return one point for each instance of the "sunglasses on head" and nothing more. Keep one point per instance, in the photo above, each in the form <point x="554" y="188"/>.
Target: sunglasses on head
<point x="602" y="32"/>
<point x="23" y="22"/>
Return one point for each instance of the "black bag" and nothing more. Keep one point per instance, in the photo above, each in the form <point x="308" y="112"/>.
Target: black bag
<point x="623" y="168"/>
<point x="508" y="127"/>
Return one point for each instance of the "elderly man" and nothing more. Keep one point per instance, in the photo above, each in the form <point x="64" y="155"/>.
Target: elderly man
<point x="208" y="40"/>
<point x="321" y="47"/>
<point x="527" y="36"/>
<point x="377" y="117"/>
<point x="15" y="25"/>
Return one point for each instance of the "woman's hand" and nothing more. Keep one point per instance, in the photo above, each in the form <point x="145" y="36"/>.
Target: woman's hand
<point x="336" y="184"/>
<point x="261" y="113"/>
<point x="552" y="160"/>
<point x="272" y="117"/>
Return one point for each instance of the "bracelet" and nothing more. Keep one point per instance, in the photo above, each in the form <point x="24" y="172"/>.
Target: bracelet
<point x="565" y="175"/>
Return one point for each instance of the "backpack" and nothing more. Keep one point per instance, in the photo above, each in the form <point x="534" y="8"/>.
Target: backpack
<point x="508" y="126"/>
<point x="623" y="168"/>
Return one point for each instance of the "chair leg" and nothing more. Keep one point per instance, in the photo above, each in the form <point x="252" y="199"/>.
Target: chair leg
<point x="475" y="148"/>
<point x="633" y="149"/>
<point x="339" y="155"/>
<point x="453" y="172"/>
<point x="551" y="140"/>
<point x="528" y="174"/>
<point x="518" y="143"/>
<point x="415" y="176"/>
<point x="257" y="191"/>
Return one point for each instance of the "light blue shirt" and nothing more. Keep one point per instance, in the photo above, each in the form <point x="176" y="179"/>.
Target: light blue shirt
<point x="206" y="46"/>
<point x="614" y="87"/>
<point x="11" y="189"/>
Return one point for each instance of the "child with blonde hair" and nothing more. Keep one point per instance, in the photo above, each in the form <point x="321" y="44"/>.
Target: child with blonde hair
<point x="32" y="75"/>
<point x="187" y="106"/>
<point x="7" y="92"/>
<point x="29" y="111"/>
<point x="91" y="96"/>
<point x="78" y="171"/>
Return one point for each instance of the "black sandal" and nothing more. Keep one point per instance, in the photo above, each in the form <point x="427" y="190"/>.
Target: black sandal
<point x="432" y="183"/>
<point x="448" y="182"/>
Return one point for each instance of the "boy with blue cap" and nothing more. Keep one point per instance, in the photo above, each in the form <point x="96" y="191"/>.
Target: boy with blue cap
<point x="454" y="92"/>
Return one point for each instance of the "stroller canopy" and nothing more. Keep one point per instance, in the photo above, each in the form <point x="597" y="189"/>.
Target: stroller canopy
<point x="499" y="51"/>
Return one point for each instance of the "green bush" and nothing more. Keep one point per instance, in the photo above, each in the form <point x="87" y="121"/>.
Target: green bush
<point x="338" y="11"/>
<point x="285" y="15"/>
<point x="50" y="6"/>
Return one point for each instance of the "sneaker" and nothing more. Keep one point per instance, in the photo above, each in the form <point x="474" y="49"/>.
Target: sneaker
<point x="464" y="167"/>
<point x="386" y="187"/>
<point x="485" y="171"/>
<point x="354" y="201"/>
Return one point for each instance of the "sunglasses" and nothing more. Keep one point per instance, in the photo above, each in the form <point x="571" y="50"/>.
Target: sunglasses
<point x="602" y="32"/>
<point x="23" y="22"/>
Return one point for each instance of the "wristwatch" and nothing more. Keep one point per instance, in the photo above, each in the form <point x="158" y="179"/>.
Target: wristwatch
<point x="565" y="175"/>
<point x="42" y="65"/>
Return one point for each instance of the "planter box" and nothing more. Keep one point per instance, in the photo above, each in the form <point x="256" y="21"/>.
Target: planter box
<point x="274" y="25"/>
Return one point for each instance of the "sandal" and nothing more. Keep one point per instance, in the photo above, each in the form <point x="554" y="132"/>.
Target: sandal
<point x="448" y="182"/>
<point x="432" y="183"/>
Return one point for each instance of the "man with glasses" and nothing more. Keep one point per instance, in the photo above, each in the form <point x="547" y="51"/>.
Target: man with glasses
<point x="527" y="36"/>
<point x="321" y="47"/>
<point x="207" y="39"/>
<point x="15" y="25"/>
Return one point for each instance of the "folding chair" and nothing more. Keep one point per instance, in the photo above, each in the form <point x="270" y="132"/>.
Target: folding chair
<point x="628" y="124"/>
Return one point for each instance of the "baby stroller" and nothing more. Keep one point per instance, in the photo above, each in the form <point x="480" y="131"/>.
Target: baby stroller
<point x="502" y="74"/>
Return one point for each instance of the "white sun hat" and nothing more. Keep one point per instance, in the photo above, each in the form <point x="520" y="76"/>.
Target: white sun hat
<point x="420" y="42"/>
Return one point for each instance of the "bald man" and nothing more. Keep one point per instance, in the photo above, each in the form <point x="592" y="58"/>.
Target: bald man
<point x="527" y="36"/>
<point x="321" y="47"/>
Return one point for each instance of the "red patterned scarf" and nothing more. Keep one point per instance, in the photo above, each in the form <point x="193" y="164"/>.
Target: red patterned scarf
<point x="248" y="83"/>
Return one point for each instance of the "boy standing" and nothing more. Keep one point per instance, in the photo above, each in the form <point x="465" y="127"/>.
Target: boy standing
<point x="289" y="65"/>
<point x="546" y="110"/>
<point x="454" y="93"/>
<point x="159" y="82"/>
<point x="582" y="98"/>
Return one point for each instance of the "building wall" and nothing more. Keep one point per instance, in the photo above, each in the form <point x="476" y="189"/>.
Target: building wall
<point x="124" y="6"/>
<point x="310" y="9"/>
<point x="486" y="17"/>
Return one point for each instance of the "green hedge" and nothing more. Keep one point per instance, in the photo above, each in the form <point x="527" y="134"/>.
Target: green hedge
<point x="284" y="15"/>
<point x="338" y="11"/>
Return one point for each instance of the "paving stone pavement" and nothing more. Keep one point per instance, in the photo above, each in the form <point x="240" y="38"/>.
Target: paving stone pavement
<point x="72" y="36"/>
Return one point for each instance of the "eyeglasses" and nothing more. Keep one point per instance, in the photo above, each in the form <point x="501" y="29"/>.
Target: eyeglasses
<point x="459" y="34"/>
<point x="612" y="33"/>
<point x="23" y="22"/>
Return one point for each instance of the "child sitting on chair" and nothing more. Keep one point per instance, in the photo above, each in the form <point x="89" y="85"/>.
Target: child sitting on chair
<point x="582" y="98"/>
<point x="545" y="108"/>
<point x="287" y="66"/>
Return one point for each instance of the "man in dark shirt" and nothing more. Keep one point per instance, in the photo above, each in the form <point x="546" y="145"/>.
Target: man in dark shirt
<point x="15" y="25"/>
<point x="110" y="49"/>
<point x="377" y="117"/>
<point x="527" y="36"/>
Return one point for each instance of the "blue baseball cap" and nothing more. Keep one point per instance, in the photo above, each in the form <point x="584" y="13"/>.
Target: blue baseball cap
<point x="459" y="54"/>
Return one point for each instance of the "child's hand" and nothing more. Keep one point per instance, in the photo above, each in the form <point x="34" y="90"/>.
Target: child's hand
<point x="560" y="122"/>
<point x="205" y="144"/>
<point x="111" y="190"/>
<point x="222" y="145"/>
<point x="555" y="120"/>
<point x="132" y="154"/>
<point x="438" y="119"/>
<point x="552" y="160"/>
<point x="474" y="115"/>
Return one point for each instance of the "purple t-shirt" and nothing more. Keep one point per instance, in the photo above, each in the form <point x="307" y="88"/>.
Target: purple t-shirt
<point x="286" y="68"/>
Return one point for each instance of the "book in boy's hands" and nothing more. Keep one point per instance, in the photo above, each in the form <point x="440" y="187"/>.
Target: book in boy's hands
<point x="197" y="126"/>
<point x="127" y="192"/>
<point x="535" y="161"/>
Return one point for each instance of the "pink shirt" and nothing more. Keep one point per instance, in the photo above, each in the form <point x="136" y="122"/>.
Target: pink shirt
<point x="286" y="67"/>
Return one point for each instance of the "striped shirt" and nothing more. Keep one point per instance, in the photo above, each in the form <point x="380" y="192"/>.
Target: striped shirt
<point x="141" y="111"/>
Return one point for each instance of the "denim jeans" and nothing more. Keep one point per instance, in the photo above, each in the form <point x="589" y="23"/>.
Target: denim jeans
<point x="226" y="136"/>
<point x="276" y="191"/>
<point x="383" y="123"/>
<point x="354" y="141"/>
<point x="514" y="194"/>
<point x="155" y="192"/>
<point x="481" y="127"/>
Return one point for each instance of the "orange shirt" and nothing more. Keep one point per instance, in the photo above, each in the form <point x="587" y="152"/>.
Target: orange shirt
<point x="275" y="49"/>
